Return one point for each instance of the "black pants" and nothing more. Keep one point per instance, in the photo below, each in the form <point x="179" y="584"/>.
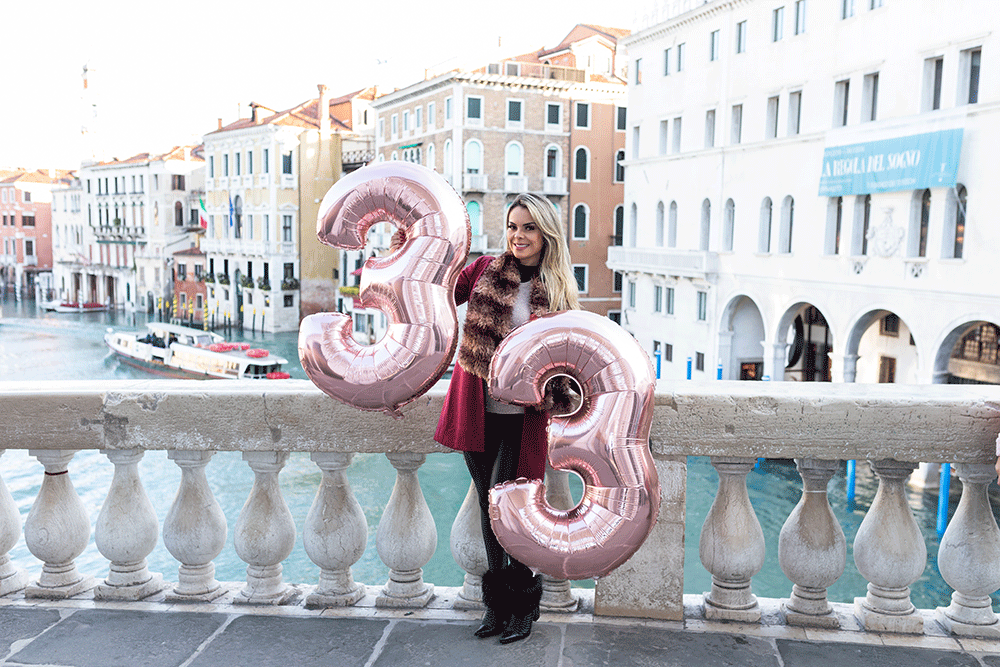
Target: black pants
<point x="497" y="463"/>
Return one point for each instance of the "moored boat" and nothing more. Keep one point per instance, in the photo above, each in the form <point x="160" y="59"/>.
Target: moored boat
<point x="73" y="307"/>
<point x="178" y="351"/>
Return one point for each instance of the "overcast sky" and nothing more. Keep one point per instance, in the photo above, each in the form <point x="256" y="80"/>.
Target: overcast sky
<point x="165" y="72"/>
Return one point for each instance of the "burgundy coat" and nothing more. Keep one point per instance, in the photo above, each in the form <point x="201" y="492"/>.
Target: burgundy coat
<point x="462" y="423"/>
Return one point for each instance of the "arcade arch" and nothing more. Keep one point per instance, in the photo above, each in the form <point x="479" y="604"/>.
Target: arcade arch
<point x="741" y="340"/>
<point x="881" y="350"/>
<point x="803" y="345"/>
<point x="969" y="354"/>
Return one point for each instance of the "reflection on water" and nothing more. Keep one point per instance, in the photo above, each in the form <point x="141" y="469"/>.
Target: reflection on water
<point x="49" y="346"/>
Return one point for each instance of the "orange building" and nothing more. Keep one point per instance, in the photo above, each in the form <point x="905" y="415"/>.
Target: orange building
<point x="189" y="286"/>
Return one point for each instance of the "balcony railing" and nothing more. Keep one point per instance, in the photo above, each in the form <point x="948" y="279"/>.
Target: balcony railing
<point x="474" y="182"/>
<point x="734" y="423"/>
<point x="554" y="186"/>
<point x="669" y="261"/>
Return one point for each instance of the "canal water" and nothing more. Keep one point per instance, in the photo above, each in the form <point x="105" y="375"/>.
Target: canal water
<point x="37" y="345"/>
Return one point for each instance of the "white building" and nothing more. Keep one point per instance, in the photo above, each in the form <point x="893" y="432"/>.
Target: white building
<point x="806" y="191"/>
<point x="137" y="213"/>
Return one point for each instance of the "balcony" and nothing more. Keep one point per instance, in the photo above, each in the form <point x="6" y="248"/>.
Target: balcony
<point x="474" y="182"/>
<point x="734" y="423"/>
<point x="663" y="261"/>
<point x="478" y="243"/>
<point x="515" y="184"/>
<point x="122" y="234"/>
<point x="554" y="186"/>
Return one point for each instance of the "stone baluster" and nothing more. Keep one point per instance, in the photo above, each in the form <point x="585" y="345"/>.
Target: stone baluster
<point x="194" y="530"/>
<point x="57" y="530"/>
<point x="12" y="579"/>
<point x="265" y="532"/>
<point x="890" y="553"/>
<point x="732" y="544"/>
<point x="335" y="534"/>
<point x="556" y="594"/>
<point x="969" y="557"/>
<point x="812" y="550"/>
<point x="467" y="549"/>
<point x="406" y="536"/>
<point x="126" y="532"/>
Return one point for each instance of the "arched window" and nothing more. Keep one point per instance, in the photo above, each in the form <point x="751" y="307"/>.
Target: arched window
<point x="834" y="225"/>
<point x="955" y="222"/>
<point x="448" y="168"/>
<point x="581" y="164"/>
<point x="619" y="167"/>
<point x="431" y="162"/>
<point x="659" y="224"/>
<point x="633" y="225"/>
<point x="581" y="218"/>
<point x="514" y="159"/>
<point x="920" y="220"/>
<point x="728" y="225"/>
<point x="473" y="157"/>
<point x="553" y="162"/>
<point x="706" y="224"/>
<point x="475" y="217"/>
<point x="764" y="237"/>
<point x="237" y="217"/>
<point x="619" y="225"/>
<point x="672" y="226"/>
<point x="785" y="231"/>
<point x="178" y="214"/>
<point x="862" y="222"/>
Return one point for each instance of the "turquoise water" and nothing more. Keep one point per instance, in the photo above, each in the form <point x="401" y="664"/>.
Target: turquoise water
<point x="46" y="346"/>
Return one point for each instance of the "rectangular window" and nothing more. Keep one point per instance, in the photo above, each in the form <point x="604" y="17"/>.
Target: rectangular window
<point x="616" y="285"/>
<point x="286" y="163"/>
<point x="846" y="9"/>
<point x="580" y="273"/>
<point x="657" y="298"/>
<point x="406" y="121"/>
<point x="582" y="115"/>
<point x="736" y="128"/>
<point x="238" y="162"/>
<point x="702" y="306"/>
<point x="286" y="228"/>
<point x="668" y="307"/>
<point x="288" y="300"/>
<point x="638" y="71"/>
<point x="668" y="352"/>
<point x="875" y="4"/>
<point x="431" y="114"/>
<point x="713" y="45"/>
<point x="27" y="220"/>
<point x="474" y="109"/>
<point x="664" y="136"/>
<point x="794" y="112"/>
<point x="771" y="129"/>
<point x="225" y="165"/>
<point x="889" y="325"/>
<point x="777" y="24"/>
<point x="29" y="247"/>
<point x="741" y="37"/>
<point x="553" y="115"/>
<point x="267" y="161"/>
<point x="680" y="57"/>
<point x="635" y="142"/>
<point x="800" y="16"/>
<point x="418" y="118"/>
<point x="182" y="272"/>
<point x="211" y="170"/>
<point x="710" y="128"/>
<point x="177" y="180"/>
<point x="447" y="108"/>
<point x="621" y="116"/>
<point x="841" y="96"/>
<point x="969" y="63"/>
<point x="394" y="125"/>
<point x="381" y="128"/>
<point x="631" y="294"/>
<point x="666" y="61"/>
<point x="886" y="370"/>
<point x="869" y="106"/>
<point x="250" y="162"/>
<point x="933" y="74"/>
<point x="699" y="361"/>
<point x="677" y="135"/>
<point x="514" y="111"/>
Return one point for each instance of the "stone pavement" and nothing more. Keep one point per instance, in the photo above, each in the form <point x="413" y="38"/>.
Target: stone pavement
<point x="84" y="633"/>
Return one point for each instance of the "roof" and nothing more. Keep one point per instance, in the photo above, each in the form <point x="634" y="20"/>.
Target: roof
<point x="582" y="31"/>
<point x="304" y="114"/>
<point x="176" y="153"/>
<point x="189" y="251"/>
<point x="39" y="176"/>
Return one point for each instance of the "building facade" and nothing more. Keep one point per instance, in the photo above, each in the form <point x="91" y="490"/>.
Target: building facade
<point x="189" y="287"/>
<point x="26" y="231"/>
<point x="806" y="191"/>
<point x="136" y="212"/>
<point x="266" y="176"/>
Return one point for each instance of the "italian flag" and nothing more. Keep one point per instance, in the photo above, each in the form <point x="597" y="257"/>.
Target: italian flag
<point x="202" y="214"/>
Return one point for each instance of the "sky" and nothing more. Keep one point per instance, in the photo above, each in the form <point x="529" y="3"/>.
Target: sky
<point x="162" y="74"/>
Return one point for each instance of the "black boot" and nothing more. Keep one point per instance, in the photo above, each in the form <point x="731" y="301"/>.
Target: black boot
<point x="526" y="593"/>
<point x="496" y="598"/>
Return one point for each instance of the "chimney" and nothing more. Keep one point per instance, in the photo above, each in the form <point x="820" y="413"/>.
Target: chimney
<point x="220" y="123"/>
<point x="324" y="109"/>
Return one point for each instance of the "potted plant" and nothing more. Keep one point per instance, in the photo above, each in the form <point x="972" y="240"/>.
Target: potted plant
<point x="209" y="277"/>
<point x="290" y="283"/>
<point x="264" y="284"/>
<point x="246" y="281"/>
<point x="223" y="279"/>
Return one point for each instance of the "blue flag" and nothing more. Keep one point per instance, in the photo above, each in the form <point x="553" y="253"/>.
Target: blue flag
<point x="232" y="216"/>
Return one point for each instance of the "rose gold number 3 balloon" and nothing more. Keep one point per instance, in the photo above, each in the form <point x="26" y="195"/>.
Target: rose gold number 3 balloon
<point x="606" y="441"/>
<point x="414" y="286"/>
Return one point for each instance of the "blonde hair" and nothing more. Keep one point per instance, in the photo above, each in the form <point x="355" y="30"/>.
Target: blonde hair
<point x="555" y="271"/>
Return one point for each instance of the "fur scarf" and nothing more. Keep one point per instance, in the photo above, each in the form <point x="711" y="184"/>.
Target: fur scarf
<point x="490" y="311"/>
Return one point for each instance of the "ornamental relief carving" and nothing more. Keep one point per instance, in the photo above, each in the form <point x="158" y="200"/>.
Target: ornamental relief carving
<point x="886" y="238"/>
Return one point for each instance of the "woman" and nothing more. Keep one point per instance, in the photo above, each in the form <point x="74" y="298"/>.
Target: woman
<point x="503" y="442"/>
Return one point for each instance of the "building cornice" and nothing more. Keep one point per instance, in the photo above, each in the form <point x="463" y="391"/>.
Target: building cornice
<point x="682" y="21"/>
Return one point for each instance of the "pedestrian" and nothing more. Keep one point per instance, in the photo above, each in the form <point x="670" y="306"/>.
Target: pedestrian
<point x="502" y="442"/>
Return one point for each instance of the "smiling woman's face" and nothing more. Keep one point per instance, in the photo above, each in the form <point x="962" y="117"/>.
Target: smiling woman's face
<point x="524" y="238"/>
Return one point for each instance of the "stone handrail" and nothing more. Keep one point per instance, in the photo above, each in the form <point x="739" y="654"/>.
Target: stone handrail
<point x="893" y="427"/>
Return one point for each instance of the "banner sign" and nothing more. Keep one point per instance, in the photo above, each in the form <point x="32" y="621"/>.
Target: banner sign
<point x="890" y="165"/>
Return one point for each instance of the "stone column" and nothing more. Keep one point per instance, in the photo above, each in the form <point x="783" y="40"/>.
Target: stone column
<point x="467" y="549"/>
<point x="812" y="550"/>
<point x="732" y="544"/>
<point x="57" y="530"/>
<point x="890" y="553"/>
<point x="127" y="531"/>
<point x="335" y="534"/>
<point x="265" y="532"/>
<point x="12" y="579"/>
<point x="194" y="530"/>
<point x="406" y="536"/>
<point x="556" y="594"/>
<point x="850" y="367"/>
<point x="969" y="557"/>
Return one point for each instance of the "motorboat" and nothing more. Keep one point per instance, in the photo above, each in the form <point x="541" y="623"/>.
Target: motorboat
<point x="178" y="351"/>
<point x="73" y="307"/>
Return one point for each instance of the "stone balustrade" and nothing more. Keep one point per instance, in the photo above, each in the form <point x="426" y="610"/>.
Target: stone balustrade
<point x="734" y="423"/>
